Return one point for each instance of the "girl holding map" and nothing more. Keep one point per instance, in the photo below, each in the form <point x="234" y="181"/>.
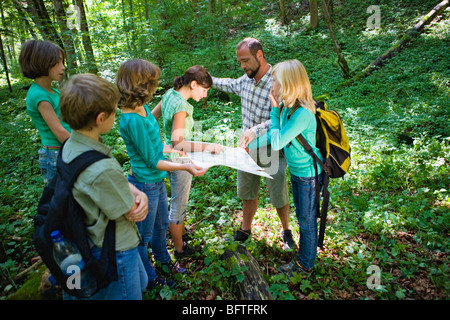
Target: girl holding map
<point x="178" y="122"/>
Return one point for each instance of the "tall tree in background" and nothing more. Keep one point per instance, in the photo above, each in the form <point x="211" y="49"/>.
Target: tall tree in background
<point x="87" y="43"/>
<point x="341" y="59"/>
<point x="313" y="14"/>
<point x="5" y="65"/>
<point x="284" y="18"/>
<point x="38" y="13"/>
<point x="66" y="34"/>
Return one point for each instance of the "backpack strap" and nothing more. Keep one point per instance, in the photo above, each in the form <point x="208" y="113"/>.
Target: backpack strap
<point x="70" y="171"/>
<point x="324" y="210"/>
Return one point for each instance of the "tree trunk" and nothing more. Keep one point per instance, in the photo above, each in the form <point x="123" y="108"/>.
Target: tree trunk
<point x="313" y="14"/>
<point x="211" y="6"/>
<point x="341" y="59"/>
<point x="38" y="13"/>
<point x="67" y="37"/>
<point x="254" y="285"/>
<point x="86" y="38"/>
<point x="330" y="7"/>
<point x="147" y="17"/>
<point x="132" y="26"/>
<point x="5" y="65"/>
<point x="220" y="8"/>
<point x="284" y="17"/>
<point x="24" y="18"/>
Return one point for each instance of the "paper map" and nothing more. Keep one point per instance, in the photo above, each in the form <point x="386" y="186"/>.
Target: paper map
<point x="236" y="158"/>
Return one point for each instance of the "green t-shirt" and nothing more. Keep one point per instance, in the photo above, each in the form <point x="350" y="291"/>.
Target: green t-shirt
<point x="143" y="141"/>
<point x="103" y="192"/>
<point x="172" y="103"/>
<point x="36" y="94"/>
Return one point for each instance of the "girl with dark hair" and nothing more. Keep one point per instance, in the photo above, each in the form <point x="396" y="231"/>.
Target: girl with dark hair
<point x="43" y="61"/>
<point x="178" y="122"/>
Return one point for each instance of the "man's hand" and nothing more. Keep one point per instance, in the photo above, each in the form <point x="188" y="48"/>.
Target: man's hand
<point x="245" y="139"/>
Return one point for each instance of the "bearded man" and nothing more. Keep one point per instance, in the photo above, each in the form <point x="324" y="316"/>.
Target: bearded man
<point x="254" y="88"/>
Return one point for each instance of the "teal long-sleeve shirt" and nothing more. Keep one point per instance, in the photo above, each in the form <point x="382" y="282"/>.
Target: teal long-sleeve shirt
<point x="143" y="142"/>
<point x="282" y="132"/>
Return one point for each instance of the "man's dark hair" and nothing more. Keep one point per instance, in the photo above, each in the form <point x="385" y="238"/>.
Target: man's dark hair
<point x="253" y="44"/>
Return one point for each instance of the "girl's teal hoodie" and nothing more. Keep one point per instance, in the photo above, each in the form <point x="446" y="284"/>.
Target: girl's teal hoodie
<point x="282" y="132"/>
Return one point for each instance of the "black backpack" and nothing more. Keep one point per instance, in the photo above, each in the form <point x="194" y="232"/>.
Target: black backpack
<point x="58" y="210"/>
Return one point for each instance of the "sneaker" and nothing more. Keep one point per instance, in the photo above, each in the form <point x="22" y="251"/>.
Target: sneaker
<point x="170" y="268"/>
<point x="293" y="267"/>
<point x="159" y="282"/>
<point x="288" y="241"/>
<point x="242" y="235"/>
<point x="188" y="251"/>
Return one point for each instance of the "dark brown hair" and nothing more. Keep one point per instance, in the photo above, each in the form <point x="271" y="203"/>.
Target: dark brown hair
<point x="253" y="44"/>
<point x="84" y="97"/>
<point x="137" y="81"/>
<point x="38" y="56"/>
<point x="195" y="73"/>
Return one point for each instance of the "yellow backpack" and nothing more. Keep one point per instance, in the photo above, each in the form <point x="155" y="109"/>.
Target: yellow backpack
<point x="334" y="147"/>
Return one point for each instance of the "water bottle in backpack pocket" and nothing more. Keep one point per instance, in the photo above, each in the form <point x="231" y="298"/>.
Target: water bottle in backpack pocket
<point x="71" y="263"/>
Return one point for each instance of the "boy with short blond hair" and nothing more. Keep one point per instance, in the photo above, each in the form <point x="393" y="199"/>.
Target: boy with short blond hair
<point x="88" y="104"/>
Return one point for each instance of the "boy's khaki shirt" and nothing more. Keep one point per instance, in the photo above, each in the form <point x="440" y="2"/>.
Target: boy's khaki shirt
<point x="103" y="192"/>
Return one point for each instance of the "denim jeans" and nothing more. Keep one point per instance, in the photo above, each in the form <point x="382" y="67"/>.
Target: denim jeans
<point x="180" y="186"/>
<point x="132" y="278"/>
<point x="47" y="163"/>
<point x="303" y="189"/>
<point x="153" y="229"/>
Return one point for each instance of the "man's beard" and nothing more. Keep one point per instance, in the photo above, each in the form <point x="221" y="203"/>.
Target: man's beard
<point x="254" y="72"/>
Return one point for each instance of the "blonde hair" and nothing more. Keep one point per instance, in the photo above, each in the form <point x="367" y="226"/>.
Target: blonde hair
<point x="84" y="97"/>
<point x="295" y="85"/>
<point x="137" y="81"/>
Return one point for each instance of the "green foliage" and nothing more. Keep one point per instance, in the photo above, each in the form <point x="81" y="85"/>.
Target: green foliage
<point x="390" y="211"/>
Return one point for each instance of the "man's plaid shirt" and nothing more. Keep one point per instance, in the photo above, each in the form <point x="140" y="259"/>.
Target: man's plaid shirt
<point x="255" y="102"/>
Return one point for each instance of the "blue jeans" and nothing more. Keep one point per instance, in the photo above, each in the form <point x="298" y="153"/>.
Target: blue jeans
<point x="47" y="163"/>
<point x="303" y="189"/>
<point x="153" y="229"/>
<point x="132" y="278"/>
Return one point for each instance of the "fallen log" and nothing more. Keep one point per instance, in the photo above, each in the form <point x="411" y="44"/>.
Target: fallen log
<point x="250" y="283"/>
<point x="400" y="45"/>
<point x="410" y="35"/>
